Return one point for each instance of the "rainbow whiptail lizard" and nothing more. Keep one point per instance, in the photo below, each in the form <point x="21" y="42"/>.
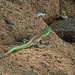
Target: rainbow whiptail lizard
<point x="33" y="41"/>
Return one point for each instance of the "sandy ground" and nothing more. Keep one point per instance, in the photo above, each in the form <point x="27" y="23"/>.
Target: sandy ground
<point x="18" y="22"/>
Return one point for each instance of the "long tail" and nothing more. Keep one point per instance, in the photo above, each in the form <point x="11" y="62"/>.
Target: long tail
<point x="16" y="48"/>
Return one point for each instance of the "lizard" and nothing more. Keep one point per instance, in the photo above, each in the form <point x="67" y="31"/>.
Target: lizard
<point x="33" y="41"/>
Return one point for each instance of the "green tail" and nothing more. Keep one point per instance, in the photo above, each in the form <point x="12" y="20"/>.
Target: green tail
<point x="16" y="48"/>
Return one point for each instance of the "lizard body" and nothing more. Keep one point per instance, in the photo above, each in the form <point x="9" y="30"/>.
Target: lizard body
<point x="33" y="41"/>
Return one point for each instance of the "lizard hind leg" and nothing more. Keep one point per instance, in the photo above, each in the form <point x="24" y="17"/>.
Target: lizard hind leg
<point x="42" y="40"/>
<point x="39" y="45"/>
<point x="25" y="41"/>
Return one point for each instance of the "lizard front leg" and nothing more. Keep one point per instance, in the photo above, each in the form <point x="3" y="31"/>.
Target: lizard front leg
<point x="25" y="41"/>
<point x="21" y="43"/>
<point x="42" y="40"/>
<point x="39" y="45"/>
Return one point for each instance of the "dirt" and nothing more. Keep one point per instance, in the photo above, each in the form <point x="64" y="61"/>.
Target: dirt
<point x="18" y="21"/>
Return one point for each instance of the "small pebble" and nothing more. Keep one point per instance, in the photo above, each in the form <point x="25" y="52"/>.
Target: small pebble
<point x="10" y="22"/>
<point x="28" y="12"/>
<point x="35" y="26"/>
<point x="26" y="27"/>
<point x="37" y="57"/>
<point x="59" y="61"/>
<point x="56" y="57"/>
<point x="72" y="60"/>
<point x="51" y="57"/>
<point x="48" y="36"/>
<point x="44" y="55"/>
<point x="40" y="14"/>
<point x="17" y="9"/>
<point x="47" y="43"/>
<point x="49" y="62"/>
<point x="0" y="57"/>
<point x="20" y="65"/>
<point x="5" y="50"/>
<point x="61" y="57"/>
<point x="10" y="45"/>
<point x="72" y="64"/>
<point x="29" y="16"/>
<point x="21" y="7"/>
<point x="31" y="66"/>
<point x="16" y="58"/>
<point x="10" y="12"/>
<point x="36" y="50"/>
<point x="29" y="56"/>
<point x="2" y="38"/>
<point x="6" y="27"/>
